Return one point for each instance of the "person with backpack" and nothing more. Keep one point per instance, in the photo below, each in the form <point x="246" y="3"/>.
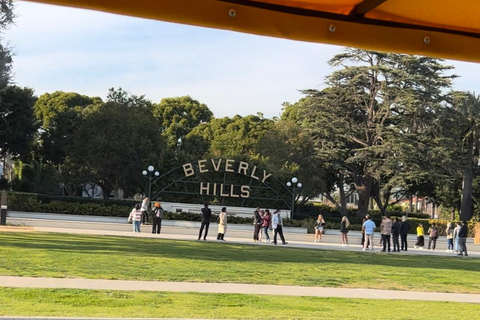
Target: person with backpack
<point x="157" y="215"/>
<point x="432" y="236"/>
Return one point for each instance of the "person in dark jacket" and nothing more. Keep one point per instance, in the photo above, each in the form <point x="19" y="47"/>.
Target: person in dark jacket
<point x="404" y="228"/>
<point x="257" y="224"/>
<point x="395" y="234"/>
<point x="157" y="215"/>
<point x="206" y="215"/>
<point x="462" y="239"/>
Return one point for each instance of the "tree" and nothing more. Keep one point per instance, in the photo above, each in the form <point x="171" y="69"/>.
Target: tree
<point x="60" y="115"/>
<point x="286" y="150"/>
<point x="178" y="116"/>
<point x="359" y="120"/>
<point x="17" y="125"/>
<point x="6" y="19"/>
<point x="116" y="141"/>
<point x="466" y="112"/>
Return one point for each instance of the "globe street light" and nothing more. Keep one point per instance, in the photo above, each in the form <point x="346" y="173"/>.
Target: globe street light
<point x="293" y="184"/>
<point x="150" y="175"/>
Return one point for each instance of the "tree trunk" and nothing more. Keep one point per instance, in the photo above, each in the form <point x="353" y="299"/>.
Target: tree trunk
<point x="452" y="215"/>
<point x="466" y="206"/>
<point x="363" y="185"/>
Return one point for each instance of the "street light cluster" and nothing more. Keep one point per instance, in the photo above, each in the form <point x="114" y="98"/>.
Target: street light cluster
<point x="293" y="184"/>
<point x="150" y="175"/>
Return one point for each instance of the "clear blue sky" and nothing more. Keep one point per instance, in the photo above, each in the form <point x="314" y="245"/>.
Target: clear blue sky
<point x="88" y="52"/>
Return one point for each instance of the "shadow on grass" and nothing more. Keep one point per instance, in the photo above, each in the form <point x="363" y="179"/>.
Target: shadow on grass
<point x="213" y="251"/>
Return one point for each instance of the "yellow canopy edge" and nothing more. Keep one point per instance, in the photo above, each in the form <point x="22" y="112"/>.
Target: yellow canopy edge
<point x="437" y="28"/>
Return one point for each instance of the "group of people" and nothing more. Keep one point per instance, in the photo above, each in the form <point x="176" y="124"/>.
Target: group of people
<point x="263" y="220"/>
<point x="392" y="230"/>
<point x="222" y="223"/>
<point x="456" y="237"/>
<point x="139" y="216"/>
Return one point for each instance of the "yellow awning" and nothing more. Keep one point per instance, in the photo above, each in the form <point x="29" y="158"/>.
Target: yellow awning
<point x="438" y="28"/>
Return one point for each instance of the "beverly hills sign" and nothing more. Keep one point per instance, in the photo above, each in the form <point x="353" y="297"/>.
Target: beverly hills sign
<point x="225" y="165"/>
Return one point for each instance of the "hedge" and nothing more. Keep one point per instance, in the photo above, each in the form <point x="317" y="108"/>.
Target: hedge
<point x="32" y="202"/>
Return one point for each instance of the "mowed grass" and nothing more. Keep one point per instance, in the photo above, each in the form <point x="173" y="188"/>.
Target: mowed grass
<point x="106" y="257"/>
<point x="126" y="304"/>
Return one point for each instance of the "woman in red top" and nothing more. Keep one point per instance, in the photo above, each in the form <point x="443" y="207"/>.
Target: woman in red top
<point x="267" y="222"/>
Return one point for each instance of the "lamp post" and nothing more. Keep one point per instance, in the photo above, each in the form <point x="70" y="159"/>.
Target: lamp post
<point x="293" y="184"/>
<point x="150" y="175"/>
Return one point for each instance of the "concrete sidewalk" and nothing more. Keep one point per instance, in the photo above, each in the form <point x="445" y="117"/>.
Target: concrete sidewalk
<point x="91" y="284"/>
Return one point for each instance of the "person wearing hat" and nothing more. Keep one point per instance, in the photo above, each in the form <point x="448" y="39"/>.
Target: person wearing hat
<point x="157" y="214"/>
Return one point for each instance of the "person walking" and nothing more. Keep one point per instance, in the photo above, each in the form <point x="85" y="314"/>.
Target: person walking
<point x="319" y="224"/>
<point x="386" y="230"/>
<point x="456" y="239"/>
<point x="277" y="225"/>
<point x="404" y="229"/>
<point x="206" y="215"/>
<point x="462" y="242"/>
<point x="267" y="222"/>
<point x="420" y="237"/>
<point x="144" y="209"/>
<point x="157" y="215"/>
<point x="222" y="224"/>
<point x="136" y="218"/>
<point x="432" y="236"/>
<point x="257" y="224"/>
<point x="450" y="230"/>
<point x="395" y="234"/>
<point x="344" y="224"/>
<point x="369" y="227"/>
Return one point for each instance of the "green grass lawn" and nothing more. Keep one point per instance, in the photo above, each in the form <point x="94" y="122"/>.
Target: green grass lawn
<point x="105" y="257"/>
<point x="96" y="303"/>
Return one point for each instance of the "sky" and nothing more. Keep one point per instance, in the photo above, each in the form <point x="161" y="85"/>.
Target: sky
<point x="88" y="52"/>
